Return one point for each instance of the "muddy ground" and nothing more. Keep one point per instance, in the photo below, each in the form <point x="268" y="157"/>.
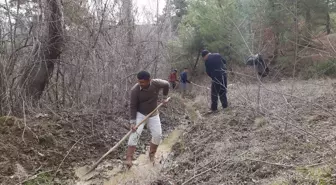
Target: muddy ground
<point x="63" y="141"/>
<point x="290" y="138"/>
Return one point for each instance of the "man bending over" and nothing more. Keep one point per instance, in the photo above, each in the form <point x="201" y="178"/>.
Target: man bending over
<point x="144" y="99"/>
<point x="215" y="66"/>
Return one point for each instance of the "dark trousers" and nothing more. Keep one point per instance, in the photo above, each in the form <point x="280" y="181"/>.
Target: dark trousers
<point x="218" y="88"/>
<point x="173" y="85"/>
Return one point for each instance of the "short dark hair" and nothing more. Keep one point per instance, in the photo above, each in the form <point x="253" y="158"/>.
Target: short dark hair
<point x="204" y="53"/>
<point x="143" y="75"/>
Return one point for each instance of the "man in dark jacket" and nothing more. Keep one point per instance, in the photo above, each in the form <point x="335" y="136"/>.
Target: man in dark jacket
<point x="259" y="64"/>
<point x="183" y="81"/>
<point x="215" y="66"/>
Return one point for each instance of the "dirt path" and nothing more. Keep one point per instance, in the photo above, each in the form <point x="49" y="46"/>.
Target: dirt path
<point x="142" y="172"/>
<point x="112" y="172"/>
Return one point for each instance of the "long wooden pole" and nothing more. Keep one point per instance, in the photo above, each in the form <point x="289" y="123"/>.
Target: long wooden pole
<point x="200" y="86"/>
<point x="124" y="138"/>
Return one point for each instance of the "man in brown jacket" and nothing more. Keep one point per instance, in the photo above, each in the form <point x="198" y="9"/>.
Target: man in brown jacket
<point x="144" y="99"/>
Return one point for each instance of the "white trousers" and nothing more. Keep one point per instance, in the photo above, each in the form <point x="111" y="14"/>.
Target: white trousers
<point x="153" y="124"/>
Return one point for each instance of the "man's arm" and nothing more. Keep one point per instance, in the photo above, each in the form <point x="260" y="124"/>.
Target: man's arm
<point x="223" y="60"/>
<point x="186" y="76"/>
<point x="207" y="69"/>
<point x="134" y="104"/>
<point x="182" y="76"/>
<point x="162" y="84"/>
<point x="224" y="63"/>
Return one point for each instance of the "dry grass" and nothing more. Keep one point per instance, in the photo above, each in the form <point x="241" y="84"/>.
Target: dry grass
<point x="286" y="137"/>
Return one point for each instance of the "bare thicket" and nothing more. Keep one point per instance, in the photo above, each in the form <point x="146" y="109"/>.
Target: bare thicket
<point x="76" y="54"/>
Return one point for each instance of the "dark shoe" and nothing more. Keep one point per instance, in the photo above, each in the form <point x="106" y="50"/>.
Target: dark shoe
<point x="152" y="151"/>
<point x="129" y="156"/>
<point x="212" y="111"/>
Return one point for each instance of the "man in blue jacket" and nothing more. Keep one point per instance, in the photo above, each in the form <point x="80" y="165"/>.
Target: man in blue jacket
<point x="183" y="81"/>
<point x="215" y="66"/>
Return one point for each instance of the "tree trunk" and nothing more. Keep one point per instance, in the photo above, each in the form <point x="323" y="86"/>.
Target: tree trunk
<point x="307" y="34"/>
<point x="276" y="46"/>
<point x="275" y="27"/>
<point x="197" y="59"/>
<point x="328" y="19"/>
<point x="45" y="52"/>
<point x="127" y="19"/>
<point x="128" y="26"/>
<point x="2" y="90"/>
<point x="157" y="51"/>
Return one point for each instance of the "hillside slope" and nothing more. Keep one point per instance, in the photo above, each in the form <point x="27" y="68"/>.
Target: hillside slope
<point x="51" y="146"/>
<point x="289" y="139"/>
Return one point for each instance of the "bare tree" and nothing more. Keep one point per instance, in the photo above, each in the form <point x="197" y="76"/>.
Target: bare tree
<point x="95" y="67"/>
<point x="127" y="20"/>
<point x="46" y="52"/>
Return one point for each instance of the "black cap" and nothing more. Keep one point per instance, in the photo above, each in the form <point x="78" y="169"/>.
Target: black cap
<point x="204" y="53"/>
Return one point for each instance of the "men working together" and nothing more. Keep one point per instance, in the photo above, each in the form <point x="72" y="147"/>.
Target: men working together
<point x="144" y="99"/>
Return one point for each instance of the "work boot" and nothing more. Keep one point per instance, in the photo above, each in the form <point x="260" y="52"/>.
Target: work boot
<point x="152" y="151"/>
<point x="129" y="156"/>
<point x="212" y="111"/>
<point x="225" y="109"/>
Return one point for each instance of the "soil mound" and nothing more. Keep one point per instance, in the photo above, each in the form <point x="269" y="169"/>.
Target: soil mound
<point x="44" y="143"/>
